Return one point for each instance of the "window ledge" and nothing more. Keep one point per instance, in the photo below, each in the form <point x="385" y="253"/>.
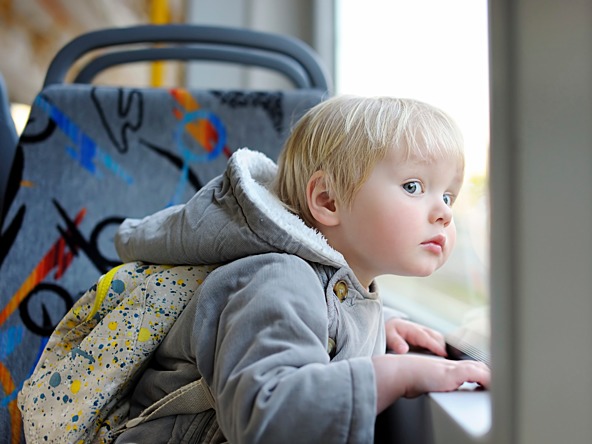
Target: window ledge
<point x="463" y="415"/>
<point x="459" y="417"/>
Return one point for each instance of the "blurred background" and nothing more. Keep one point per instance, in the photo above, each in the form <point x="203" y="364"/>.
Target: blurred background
<point x="32" y="31"/>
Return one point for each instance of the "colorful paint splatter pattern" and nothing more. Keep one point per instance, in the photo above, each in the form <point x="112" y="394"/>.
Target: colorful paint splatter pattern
<point x="78" y="389"/>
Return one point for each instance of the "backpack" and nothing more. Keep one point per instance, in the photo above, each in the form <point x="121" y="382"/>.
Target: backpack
<point x="80" y="388"/>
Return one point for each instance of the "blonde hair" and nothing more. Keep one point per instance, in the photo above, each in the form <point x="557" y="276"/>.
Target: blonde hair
<point x="346" y="136"/>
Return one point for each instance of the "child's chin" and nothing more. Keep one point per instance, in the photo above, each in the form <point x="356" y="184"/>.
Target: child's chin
<point x="425" y="272"/>
<point x="419" y="271"/>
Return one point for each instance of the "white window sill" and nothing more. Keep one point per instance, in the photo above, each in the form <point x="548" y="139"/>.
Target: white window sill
<point x="461" y="416"/>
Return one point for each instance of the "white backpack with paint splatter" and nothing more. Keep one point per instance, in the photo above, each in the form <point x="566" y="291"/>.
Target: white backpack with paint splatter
<point x="79" y="391"/>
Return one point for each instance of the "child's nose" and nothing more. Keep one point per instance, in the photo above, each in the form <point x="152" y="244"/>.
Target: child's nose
<point x="441" y="213"/>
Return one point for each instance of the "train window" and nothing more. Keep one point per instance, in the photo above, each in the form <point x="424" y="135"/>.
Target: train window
<point x="435" y="51"/>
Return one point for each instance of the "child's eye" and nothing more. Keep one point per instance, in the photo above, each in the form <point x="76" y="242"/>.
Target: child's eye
<point x="413" y="187"/>
<point x="448" y="199"/>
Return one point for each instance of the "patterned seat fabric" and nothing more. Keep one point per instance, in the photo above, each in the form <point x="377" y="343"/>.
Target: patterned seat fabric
<point x="89" y="157"/>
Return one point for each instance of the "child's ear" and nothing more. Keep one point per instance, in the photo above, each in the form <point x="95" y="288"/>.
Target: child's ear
<point x="321" y="203"/>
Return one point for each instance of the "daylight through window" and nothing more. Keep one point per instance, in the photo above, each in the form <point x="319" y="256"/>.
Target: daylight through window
<point x="435" y="51"/>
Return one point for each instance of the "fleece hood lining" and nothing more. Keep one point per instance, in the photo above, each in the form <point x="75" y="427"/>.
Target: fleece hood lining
<point x="255" y="173"/>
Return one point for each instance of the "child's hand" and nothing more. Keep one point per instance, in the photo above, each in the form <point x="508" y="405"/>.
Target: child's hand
<point x="427" y="374"/>
<point x="401" y="333"/>
<point x="411" y="375"/>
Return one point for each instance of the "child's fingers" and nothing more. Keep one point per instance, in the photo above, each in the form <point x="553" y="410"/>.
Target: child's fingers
<point x="430" y="340"/>
<point x="397" y="344"/>
<point x="438" y="343"/>
<point x="402" y="333"/>
<point x="429" y="374"/>
<point x="479" y="373"/>
<point x="458" y="372"/>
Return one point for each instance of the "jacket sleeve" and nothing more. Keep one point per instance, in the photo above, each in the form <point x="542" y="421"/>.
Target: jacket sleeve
<point x="268" y="366"/>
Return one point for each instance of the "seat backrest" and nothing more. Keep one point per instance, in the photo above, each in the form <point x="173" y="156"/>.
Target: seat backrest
<point x="89" y="157"/>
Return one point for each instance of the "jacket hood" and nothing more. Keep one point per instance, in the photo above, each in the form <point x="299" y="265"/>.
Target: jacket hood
<point x="233" y="216"/>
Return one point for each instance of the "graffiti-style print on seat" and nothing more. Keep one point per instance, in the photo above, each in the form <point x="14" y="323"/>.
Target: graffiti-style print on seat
<point x="125" y="116"/>
<point x="271" y="103"/>
<point x="86" y="151"/>
<point x="59" y="258"/>
<point x="198" y="125"/>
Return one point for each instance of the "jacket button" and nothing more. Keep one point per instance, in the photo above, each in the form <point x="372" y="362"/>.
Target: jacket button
<point x="331" y="346"/>
<point x="340" y="290"/>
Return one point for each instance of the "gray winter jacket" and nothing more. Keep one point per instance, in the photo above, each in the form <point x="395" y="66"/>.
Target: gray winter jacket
<point x="282" y="332"/>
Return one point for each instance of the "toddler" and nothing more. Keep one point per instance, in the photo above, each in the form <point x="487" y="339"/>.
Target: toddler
<point x="289" y="332"/>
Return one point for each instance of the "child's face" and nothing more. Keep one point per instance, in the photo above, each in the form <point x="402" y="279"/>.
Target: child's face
<point x="400" y="221"/>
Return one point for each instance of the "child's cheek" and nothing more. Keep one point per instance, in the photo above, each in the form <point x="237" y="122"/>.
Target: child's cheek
<point x="451" y="238"/>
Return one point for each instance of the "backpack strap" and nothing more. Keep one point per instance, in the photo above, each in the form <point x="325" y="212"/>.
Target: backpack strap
<point x="192" y="398"/>
<point x="102" y="290"/>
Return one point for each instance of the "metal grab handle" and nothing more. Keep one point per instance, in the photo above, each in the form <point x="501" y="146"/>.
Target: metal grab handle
<point x="188" y="34"/>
